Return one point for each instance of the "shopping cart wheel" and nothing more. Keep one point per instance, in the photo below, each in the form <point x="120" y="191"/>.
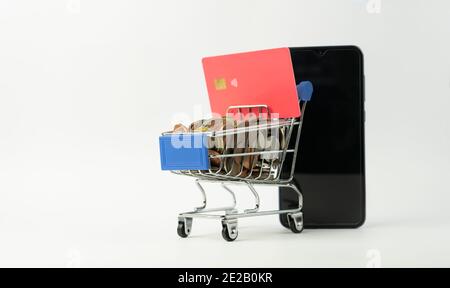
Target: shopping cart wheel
<point x="296" y="222"/>
<point x="229" y="230"/>
<point x="184" y="227"/>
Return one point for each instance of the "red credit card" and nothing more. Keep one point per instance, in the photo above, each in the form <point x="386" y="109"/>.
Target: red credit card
<point x="264" y="77"/>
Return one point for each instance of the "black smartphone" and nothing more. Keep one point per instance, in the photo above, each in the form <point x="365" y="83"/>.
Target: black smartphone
<point x="330" y="168"/>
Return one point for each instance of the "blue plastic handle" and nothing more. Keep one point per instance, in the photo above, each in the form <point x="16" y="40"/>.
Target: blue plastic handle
<point x="191" y="154"/>
<point x="305" y="90"/>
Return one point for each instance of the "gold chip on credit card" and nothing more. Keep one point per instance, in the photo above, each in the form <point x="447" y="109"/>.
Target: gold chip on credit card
<point x="220" y="83"/>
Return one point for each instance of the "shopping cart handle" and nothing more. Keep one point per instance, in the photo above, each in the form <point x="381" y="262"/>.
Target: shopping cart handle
<point x="305" y="90"/>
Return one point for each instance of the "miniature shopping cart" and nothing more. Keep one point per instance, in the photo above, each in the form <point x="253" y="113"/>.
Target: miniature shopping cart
<point x="258" y="151"/>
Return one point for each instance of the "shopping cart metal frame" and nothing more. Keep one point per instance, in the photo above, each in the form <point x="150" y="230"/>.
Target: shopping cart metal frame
<point x="229" y="214"/>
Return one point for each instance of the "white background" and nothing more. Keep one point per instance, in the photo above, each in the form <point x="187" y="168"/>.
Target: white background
<point x="86" y="87"/>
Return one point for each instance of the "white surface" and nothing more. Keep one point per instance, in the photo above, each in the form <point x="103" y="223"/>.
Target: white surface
<point x="87" y="86"/>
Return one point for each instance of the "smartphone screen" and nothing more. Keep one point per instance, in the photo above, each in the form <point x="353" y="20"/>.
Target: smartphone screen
<point x="329" y="167"/>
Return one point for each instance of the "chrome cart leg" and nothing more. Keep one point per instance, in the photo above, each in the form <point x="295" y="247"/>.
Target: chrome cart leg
<point x="203" y="207"/>
<point x="184" y="226"/>
<point x="229" y="229"/>
<point x="200" y="187"/>
<point x="257" y="201"/>
<point x="299" y="194"/>
<point x="295" y="219"/>
<point x="232" y="208"/>
<point x="185" y="219"/>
